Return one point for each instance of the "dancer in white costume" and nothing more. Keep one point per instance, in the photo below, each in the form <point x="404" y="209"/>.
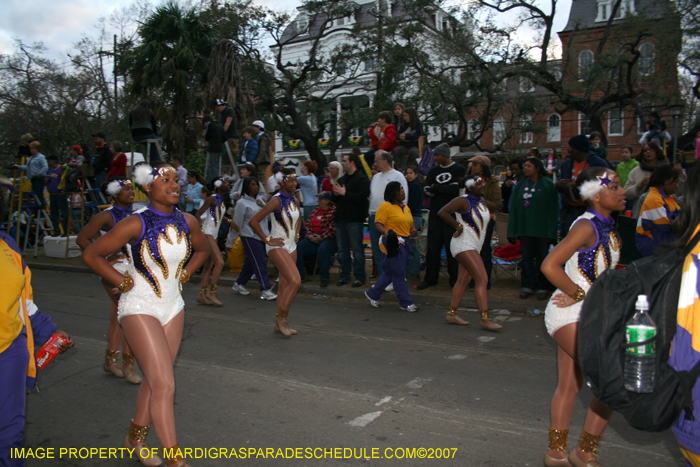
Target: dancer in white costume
<point x="159" y="240"/>
<point x="211" y="214"/>
<point x="472" y="220"/>
<point x="281" y="244"/>
<point x="122" y="191"/>
<point x="591" y="247"/>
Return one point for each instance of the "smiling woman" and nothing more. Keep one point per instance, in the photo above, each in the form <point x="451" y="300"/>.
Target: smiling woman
<point x="159" y="241"/>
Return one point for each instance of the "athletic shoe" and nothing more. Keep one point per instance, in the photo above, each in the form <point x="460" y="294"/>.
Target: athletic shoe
<point x="240" y="289"/>
<point x="268" y="295"/>
<point x="374" y="303"/>
<point x="410" y="308"/>
<point x="389" y="288"/>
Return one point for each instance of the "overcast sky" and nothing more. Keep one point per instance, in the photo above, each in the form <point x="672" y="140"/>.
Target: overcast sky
<point x="61" y="23"/>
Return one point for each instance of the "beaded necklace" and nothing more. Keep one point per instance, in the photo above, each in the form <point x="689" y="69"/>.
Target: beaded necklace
<point x="528" y="192"/>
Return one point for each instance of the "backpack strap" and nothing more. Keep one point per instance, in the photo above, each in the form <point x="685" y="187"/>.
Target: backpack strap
<point x="692" y="243"/>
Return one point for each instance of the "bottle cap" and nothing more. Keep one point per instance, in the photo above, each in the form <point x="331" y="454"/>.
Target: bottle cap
<point x="628" y="213"/>
<point x="642" y="303"/>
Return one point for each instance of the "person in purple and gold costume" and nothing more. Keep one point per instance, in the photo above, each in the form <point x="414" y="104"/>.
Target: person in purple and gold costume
<point x="164" y="246"/>
<point x="470" y="232"/>
<point x="590" y="247"/>
<point x="122" y="191"/>
<point x="210" y="214"/>
<point x="282" y="244"/>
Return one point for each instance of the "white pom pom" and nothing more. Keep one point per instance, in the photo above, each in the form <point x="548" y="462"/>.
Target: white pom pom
<point x="218" y="183"/>
<point x="113" y="188"/>
<point x="590" y="189"/>
<point x="143" y="175"/>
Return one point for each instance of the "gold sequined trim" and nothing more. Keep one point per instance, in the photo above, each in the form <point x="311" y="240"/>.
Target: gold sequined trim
<point x="111" y="356"/>
<point x="614" y="241"/>
<point x="485" y="314"/>
<point x="557" y="439"/>
<point x="128" y="359"/>
<point x="175" y="452"/>
<point x="138" y="432"/>
<point x="153" y="282"/>
<point x="589" y="442"/>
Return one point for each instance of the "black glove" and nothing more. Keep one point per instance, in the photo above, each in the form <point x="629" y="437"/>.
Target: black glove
<point x="392" y="244"/>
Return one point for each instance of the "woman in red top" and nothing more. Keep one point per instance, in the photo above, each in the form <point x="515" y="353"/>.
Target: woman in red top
<point x="336" y="171"/>
<point x="320" y="238"/>
<point x="118" y="168"/>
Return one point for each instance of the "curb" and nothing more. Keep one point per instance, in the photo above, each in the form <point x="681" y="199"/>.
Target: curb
<point x="421" y="298"/>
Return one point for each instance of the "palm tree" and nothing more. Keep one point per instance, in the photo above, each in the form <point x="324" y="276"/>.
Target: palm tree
<point x="170" y="65"/>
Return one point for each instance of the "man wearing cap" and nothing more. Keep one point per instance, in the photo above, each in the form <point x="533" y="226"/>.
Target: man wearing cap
<point x="36" y="169"/>
<point x="442" y="185"/>
<point x="215" y="136"/>
<point x="228" y="121"/>
<point x="264" y="149"/>
<point x="103" y="158"/>
<point x="581" y="158"/>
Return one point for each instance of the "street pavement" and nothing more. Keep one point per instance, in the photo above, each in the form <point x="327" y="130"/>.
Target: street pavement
<point x="358" y="381"/>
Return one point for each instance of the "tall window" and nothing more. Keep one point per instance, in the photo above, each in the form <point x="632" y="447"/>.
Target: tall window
<point x="369" y="64"/>
<point x="585" y="63"/>
<point x="526" y="137"/>
<point x="526" y="85"/>
<point x="647" y="56"/>
<point x="499" y="130"/>
<point x="615" y="122"/>
<point x="302" y="23"/>
<point x="584" y="125"/>
<point x="553" y="128"/>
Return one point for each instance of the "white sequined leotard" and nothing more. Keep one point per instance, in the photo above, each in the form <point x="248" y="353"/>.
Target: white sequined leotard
<point x="156" y="262"/>
<point x="284" y="222"/>
<point x="474" y="222"/>
<point x="584" y="267"/>
<point x="119" y="261"/>
<point x="211" y="218"/>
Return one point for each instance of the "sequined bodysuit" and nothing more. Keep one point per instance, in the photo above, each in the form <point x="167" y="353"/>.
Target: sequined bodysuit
<point x="119" y="261"/>
<point x="474" y="222"/>
<point x="156" y="262"/>
<point x="284" y="222"/>
<point x="211" y="218"/>
<point x="584" y="267"/>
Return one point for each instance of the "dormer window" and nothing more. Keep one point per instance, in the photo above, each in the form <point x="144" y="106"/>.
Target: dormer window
<point x="302" y="23"/>
<point x="605" y="9"/>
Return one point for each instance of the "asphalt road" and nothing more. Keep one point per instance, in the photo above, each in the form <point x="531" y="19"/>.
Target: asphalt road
<point x="358" y="381"/>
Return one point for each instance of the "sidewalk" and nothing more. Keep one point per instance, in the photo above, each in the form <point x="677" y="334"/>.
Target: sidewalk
<point x="504" y="293"/>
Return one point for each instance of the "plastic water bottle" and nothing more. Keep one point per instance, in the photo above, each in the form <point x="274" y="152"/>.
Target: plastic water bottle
<point x="639" y="360"/>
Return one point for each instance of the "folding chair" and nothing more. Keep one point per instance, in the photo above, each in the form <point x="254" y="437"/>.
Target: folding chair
<point x="502" y="264"/>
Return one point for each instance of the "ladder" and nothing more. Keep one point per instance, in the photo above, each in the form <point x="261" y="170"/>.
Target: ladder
<point x="71" y="221"/>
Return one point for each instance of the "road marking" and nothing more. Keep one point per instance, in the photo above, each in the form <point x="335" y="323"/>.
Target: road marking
<point x="383" y="401"/>
<point x="418" y="383"/>
<point x="486" y="338"/>
<point x="366" y="419"/>
<point x="458" y="356"/>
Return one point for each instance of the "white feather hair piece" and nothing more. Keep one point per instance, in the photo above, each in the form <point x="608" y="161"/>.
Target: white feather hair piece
<point x="590" y="189"/>
<point x="470" y="182"/>
<point x="279" y="176"/>
<point x="218" y="183"/>
<point x="143" y="175"/>
<point x="113" y="188"/>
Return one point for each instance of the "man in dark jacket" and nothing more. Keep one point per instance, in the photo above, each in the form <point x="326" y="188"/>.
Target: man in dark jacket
<point x="228" y="121"/>
<point x="103" y="158"/>
<point x="215" y="136"/>
<point x="264" y="150"/>
<point x="442" y="185"/>
<point x="351" y="196"/>
<point x="581" y="158"/>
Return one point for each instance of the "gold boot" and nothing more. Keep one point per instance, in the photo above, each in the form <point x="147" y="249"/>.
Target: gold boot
<point x="487" y="323"/>
<point x="212" y="295"/>
<point x="111" y="366"/>
<point x="557" y="442"/>
<point x="136" y="445"/>
<point x="589" y="445"/>
<point x="130" y="372"/>
<point x="176" y="458"/>
<point x="453" y="318"/>
<point x="202" y="297"/>
<point x="282" y="323"/>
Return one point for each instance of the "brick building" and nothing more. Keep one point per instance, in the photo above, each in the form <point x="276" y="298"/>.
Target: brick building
<point x="643" y="27"/>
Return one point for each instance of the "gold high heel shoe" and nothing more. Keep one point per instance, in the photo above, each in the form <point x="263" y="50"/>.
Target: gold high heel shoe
<point x="110" y="365"/>
<point x="176" y="459"/>
<point x="486" y="322"/>
<point x="557" y="442"/>
<point x="212" y="295"/>
<point x="130" y="372"/>
<point x="282" y="327"/>
<point x="202" y="297"/>
<point x="138" y="433"/>
<point x="588" y="444"/>
<point x="453" y="318"/>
